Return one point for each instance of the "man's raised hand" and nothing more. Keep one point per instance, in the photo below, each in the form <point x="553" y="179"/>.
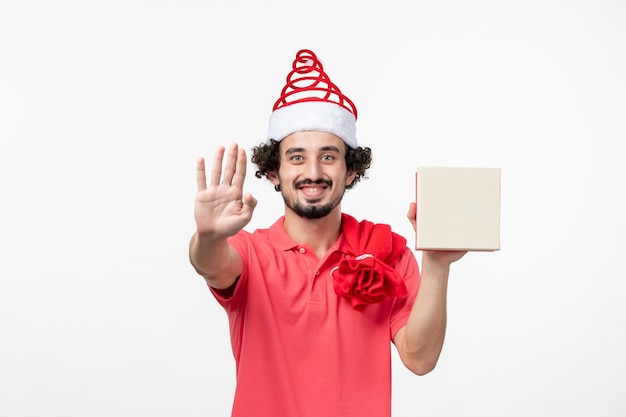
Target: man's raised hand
<point x="221" y="209"/>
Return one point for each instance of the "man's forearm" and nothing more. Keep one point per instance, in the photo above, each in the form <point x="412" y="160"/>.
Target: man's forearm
<point x="212" y="259"/>
<point x="426" y="327"/>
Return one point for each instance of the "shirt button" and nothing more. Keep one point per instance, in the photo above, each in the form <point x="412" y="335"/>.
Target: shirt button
<point x="317" y="272"/>
<point x="302" y="250"/>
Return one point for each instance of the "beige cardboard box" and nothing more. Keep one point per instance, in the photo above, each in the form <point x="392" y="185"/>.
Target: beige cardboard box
<point x="458" y="208"/>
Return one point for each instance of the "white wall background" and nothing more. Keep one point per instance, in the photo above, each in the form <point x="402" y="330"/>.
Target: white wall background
<point x="104" y="107"/>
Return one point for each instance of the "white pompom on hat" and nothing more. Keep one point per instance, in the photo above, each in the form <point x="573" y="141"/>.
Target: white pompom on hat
<point x="310" y="101"/>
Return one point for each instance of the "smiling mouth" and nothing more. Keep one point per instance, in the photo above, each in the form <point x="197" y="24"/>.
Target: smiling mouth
<point x="313" y="192"/>
<point x="312" y="189"/>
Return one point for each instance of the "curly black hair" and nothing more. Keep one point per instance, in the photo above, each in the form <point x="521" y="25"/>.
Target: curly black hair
<point x="266" y="157"/>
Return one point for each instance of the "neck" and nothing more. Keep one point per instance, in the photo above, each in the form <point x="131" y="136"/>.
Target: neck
<point x="320" y="234"/>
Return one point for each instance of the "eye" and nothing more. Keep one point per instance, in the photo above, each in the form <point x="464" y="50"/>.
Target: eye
<point x="328" y="157"/>
<point x="296" y="158"/>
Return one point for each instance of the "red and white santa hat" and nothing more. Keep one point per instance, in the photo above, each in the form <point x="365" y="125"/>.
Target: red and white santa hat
<point x="310" y="101"/>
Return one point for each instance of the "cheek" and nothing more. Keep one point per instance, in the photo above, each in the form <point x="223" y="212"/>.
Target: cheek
<point x="286" y="174"/>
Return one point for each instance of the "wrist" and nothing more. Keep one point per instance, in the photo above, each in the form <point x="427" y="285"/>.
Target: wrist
<point x="434" y="266"/>
<point x="206" y="237"/>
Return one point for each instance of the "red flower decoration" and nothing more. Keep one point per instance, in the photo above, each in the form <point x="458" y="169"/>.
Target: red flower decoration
<point x="366" y="280"/>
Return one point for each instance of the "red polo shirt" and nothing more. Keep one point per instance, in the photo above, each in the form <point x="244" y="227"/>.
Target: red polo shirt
<point x="301" y="350"/>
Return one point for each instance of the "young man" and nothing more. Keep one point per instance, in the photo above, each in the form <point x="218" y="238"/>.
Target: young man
<point x="315" y="301"/>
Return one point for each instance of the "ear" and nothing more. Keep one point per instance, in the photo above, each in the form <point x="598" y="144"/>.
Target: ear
<point x="350" y="177"/>
<point x="273" y="177"/>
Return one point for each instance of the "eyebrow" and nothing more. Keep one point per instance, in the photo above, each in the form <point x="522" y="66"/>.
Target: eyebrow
<point x="323" y="148"/>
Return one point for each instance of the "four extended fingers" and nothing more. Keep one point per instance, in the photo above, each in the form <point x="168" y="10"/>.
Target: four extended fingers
<point x="234" y="171"/>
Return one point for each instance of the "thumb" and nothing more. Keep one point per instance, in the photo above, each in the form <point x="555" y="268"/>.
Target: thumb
<point x="249" y="202"/>
<point x="412" y="213"/>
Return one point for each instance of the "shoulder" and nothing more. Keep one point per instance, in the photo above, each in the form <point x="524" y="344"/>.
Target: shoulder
<point x="244" y="239"/>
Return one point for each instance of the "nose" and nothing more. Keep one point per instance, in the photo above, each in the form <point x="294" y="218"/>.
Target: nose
<point x="313" y="169"/>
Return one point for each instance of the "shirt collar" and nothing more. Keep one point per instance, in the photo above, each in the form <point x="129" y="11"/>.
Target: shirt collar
<point x="281" y="240"/>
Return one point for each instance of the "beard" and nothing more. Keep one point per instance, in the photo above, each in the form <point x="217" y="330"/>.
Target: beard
<point x="310" y="209"/>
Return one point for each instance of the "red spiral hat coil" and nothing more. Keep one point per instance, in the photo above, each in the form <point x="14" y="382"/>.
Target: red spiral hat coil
<point x="307" y="81"/>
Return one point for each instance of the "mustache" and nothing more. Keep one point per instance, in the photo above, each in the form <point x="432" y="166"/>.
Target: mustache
<point x="300" y="183"/>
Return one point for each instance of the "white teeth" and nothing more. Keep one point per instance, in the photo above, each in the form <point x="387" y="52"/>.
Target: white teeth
<point x="309" y="190"/>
